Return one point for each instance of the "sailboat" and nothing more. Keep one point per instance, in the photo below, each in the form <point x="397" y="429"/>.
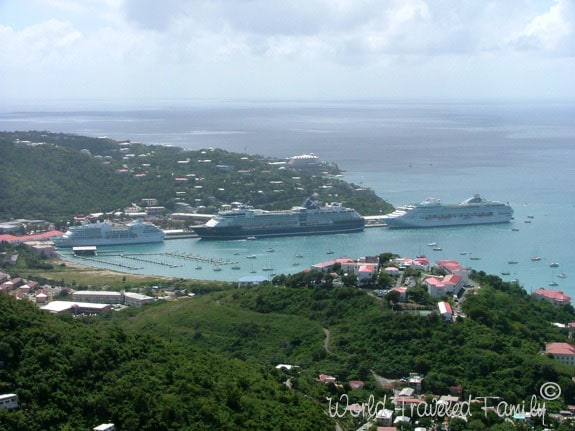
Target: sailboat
<point x="536" y="257"/>
<point x="512" y="261"/>
<point x="553" y="282"/>
<point x="562" y="274"/>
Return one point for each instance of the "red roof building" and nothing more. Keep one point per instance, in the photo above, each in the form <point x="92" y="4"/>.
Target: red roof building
<point x="562" y="352"/>
<point x="556" y="297"/>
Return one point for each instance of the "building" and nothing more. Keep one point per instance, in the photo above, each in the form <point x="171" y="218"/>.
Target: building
<point x="99" y="297"/>
<point x="251" y="280"/>
<point x="60" y="307"/>
<point x="384" y="417"/>
<point x="356" y="384"/>
<point x="454" y="267"/>
<point x="562" y="352"/>
<point x="324" y="378"/>
<point x="555" y="297"/>
<point x="8" y="401"/>
<point x="105" y="427"/>
<point x="450" y="284"/>
<point x="304" y="161"/>
<point x="445" y="310"/>
<point x="402" y="292"/>
<point x="366" y="272"/>
<point x="41" y="248"/>
<point x="136" y="299"/>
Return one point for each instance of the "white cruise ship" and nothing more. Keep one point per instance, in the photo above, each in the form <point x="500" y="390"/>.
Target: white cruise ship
<point x="106" y="233"/>
<point x="432" y="213"/>
<point x="246" y="222"/>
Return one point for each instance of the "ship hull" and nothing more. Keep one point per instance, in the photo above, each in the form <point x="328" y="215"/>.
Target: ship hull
<point x="413" y="224"/>
<point x="64" y="243"/>
<point x="458" y="217"/>
<point x="238" y="232"/>
<point x="102" y="234"/>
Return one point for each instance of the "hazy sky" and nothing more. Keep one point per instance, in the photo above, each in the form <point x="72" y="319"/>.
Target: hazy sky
<point x="305" y="49"/>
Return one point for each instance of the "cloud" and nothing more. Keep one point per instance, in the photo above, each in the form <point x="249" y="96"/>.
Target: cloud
<point x="551" y="32"/>
<point x="227" y="47"/>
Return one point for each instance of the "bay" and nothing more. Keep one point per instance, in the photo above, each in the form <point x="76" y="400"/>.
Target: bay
<point x="517" y="152"/>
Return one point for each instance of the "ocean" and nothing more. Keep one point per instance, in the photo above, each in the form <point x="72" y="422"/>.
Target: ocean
<point x="521" y="152"/>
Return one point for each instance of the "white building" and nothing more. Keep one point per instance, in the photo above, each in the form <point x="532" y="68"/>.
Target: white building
<point x="445" y="310"/>
<point x="57" y="307"/>
<point x="303" y="161"/>
<point x="136" y="299"/>
<point x="8" y="401"/>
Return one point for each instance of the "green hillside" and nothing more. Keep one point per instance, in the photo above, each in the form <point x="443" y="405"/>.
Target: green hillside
<point x="52" y="176"/>
<point x="209" y="362"/>
<point x="75" y="375"/>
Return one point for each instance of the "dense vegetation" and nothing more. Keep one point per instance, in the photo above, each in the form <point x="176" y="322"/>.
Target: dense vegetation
<point x="74" y="375"/>
<point x="51" y="176"/>
<point x="209" y="361"/>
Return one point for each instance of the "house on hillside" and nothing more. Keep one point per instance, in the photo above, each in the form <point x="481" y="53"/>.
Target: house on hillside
<point x="562" y="352"/>
<point x="556" y="297"/>
<point x="366" y="272"/>
<point x="445" y="310"/>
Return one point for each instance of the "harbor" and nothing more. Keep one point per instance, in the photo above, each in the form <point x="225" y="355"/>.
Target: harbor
<point x="484" y="248"/>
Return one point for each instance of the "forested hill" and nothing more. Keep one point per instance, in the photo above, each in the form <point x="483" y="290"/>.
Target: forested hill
<point x="54" y="175"/>
<point x="73" y="375"/>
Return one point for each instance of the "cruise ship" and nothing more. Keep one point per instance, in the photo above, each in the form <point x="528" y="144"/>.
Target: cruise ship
<point x="245" y="222"/>
<point x="106" y="233"/>
<point x="432" y="213"/>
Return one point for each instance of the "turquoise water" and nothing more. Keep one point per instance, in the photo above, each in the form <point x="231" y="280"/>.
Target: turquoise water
<point x="495" y="245"/>
<point x="521" y="153"/>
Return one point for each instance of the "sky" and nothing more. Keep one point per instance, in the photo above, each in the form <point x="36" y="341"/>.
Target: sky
<point x="285" y="49"/>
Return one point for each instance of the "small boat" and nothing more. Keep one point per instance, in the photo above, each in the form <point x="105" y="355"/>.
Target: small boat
<point x="432" y="244"/>
<point x="515" y="229"/>
<point x="329" y="252"/>
<point x="505" y="273"/>
<point x="562" y="275"/>
<point x="267" y="269"/>
<point x="251" y="238"/>
<point x="270" y="250"/>
<point x="217" y="268"/>
<point x="553" y="283"/>
<point x="535" y="258"/>
<point x="253" y="271"/>
<point x="512" y="262"/>
<point x="553" y="265"/>
<point x="463" y="253"/>
<point x="437" y="249"/>
<point x="236" y="267"/>
<point x="527" y="221"/>
<point x="251" y="256"/>
<point x="475" y="258"/>
<point x="299" y="256"/>
<point x="198" y="267"/>
<point x="295" y="264"/>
